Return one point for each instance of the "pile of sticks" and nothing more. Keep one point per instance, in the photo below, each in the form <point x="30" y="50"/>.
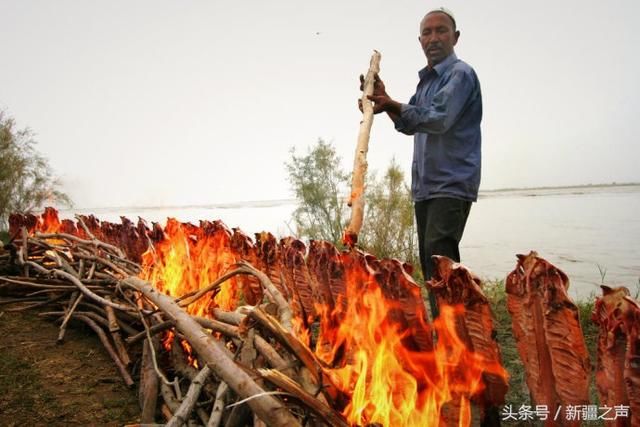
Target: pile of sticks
<point x="241" y="367"/>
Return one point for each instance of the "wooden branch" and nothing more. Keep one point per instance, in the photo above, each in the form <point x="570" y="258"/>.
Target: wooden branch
<point x="90" y="314"/>
<point x="45" y="281"/>
<point x="216" y="326"/>
<point x="232" y="318"/>
<point x="75" y="299"/>
<point x="61" y="262"/>
<point x="324" y="412"/>
<point x="169" y="398"/>
<point x="153" y="330"/>
<point x="37" y="304"/>
<point x="152" y="350"/>
<point x="245" y="268"/>
<point x="356" y="199"/>
<point x="81" y="268"/>
<point x="276" y="297"/>
<point x="267" y="407"/>
<point x="102" y="313"/>
<point x="42" y="283"/>
<point x="120" y="270"/>
<point x="19" y="300"/>
<point x="182" y="369"/>
<point x="90" y="294"/>
<point x="218" y="406"/>
<point x="267" y="351"/>
<point x="114" y="330"/>
<point x="299" y="350"/>
<point x="95" y="241"/>
<point x="148" y="392"/>
<point x="107" y="345"/>
<point x="182" y="414"/>
<point x="192" y="297"/>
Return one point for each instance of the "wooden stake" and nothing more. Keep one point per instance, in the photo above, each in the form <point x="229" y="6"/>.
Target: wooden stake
<point x="148" y="391"/>
<point x="356" y="199"/>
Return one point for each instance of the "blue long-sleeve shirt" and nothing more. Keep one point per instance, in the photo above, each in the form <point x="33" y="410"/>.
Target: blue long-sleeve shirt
<point x="444" y="116"/>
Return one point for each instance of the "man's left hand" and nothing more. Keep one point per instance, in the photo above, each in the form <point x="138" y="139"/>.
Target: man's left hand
<point x="381" y="100"/>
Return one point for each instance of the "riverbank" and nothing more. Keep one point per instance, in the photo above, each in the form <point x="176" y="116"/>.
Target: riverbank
<point x="42" y="383"/>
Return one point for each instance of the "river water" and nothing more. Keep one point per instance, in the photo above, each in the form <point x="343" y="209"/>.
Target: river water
<point x="591" y="233"/>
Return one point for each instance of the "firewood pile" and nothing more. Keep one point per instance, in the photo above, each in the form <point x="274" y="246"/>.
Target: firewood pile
<point x="237" y="366"/>
<point x="215" y="328"/>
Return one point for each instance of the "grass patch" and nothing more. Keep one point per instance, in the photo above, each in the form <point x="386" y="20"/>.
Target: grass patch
<point x="518" y="391"/>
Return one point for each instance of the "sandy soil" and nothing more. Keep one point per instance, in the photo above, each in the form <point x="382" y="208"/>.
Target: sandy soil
<point x="45" y="384"/>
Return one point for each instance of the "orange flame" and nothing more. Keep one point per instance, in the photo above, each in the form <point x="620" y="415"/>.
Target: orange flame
<point x="191" y="258"/>
<point x="388" y="383"/>
<point x="167" y="340"/>
<point x="49" y="222"/>
<point x="188" y="350"/>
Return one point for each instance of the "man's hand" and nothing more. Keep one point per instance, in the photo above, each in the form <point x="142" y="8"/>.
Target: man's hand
<point x="381" y="100"/>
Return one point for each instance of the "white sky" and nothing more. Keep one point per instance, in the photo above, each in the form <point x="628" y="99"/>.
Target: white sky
<point x="198" y="102"/>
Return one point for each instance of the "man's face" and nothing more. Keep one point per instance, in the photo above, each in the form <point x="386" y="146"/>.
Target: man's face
<point x="437" y="37"/>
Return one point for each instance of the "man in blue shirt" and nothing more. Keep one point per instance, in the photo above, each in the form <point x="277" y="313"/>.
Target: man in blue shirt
<point x="444" y="118"/>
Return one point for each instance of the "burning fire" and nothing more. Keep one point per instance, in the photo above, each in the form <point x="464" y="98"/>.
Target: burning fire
<point x="49" y="222"/>
<point x="191" y="258"/>
<point x="387" y="382"/>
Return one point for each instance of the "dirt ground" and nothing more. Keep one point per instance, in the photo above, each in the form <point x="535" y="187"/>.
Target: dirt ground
<point x="45" y="384"/>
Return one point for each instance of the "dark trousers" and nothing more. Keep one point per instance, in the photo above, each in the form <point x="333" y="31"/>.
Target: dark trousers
<point x="440" y="224"/>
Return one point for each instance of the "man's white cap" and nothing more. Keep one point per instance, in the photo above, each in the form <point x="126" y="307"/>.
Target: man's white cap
<point x="446" y="12"/>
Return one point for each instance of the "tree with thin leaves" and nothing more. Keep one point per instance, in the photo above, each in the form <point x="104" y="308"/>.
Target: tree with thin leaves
<point x="26" y="179"/>
<point x="388" y="229"/>
<point x="320" y="184"/>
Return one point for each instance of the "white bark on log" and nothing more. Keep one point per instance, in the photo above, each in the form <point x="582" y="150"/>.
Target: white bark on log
<point x="356" y="199"/>
<point x="181" y="416"/>
<point x="268" y="408"/>
<point x="218" y="406"/>
<point x="76" y="297"/>
<point x="169" y="398"/>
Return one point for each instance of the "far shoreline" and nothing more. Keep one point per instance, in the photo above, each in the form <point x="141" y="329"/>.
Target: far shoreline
<point x="563" y="187"/>
<point x="280" y="202"/>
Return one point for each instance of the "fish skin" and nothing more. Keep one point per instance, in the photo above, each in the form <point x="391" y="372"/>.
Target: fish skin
<point x="548" y="334"/>
<point x="454" y="284"/>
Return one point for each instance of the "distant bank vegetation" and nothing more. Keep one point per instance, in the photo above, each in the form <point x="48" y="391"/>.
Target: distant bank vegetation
<point x="27" y="181"/>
